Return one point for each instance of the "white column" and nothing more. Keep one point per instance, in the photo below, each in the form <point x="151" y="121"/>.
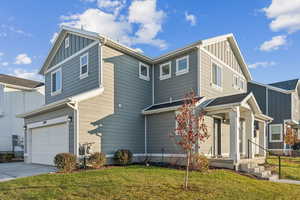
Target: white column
<point x="234" y="117"/>
<point x="262" y="138"/>
<point x="249" y="134"/>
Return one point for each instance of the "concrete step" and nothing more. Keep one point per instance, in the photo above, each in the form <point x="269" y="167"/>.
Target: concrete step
<point x="263" y="174"/>
<point x="273" y="177"/>
<point x="247" y="167"/>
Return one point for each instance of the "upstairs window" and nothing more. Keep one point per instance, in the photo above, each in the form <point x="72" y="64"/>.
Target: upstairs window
<point x="67" y="42"/>
<point x="56" y="82"/>
<point x="165" y="71"/>
<point x="242" y="84"/>
<point x="216" y="75"/>
<point x="144" y="72"/>
<point x="84" y="66"/>
<point x="235" y="81"/>
<point x="182" y="65"/>
<point x="276" y="133"/>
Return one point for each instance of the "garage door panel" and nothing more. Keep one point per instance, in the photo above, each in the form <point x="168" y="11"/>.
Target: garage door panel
<point x="49" y="141"/>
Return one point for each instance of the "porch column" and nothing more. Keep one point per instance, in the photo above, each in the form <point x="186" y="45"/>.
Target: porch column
<point x="249" y="134"/>
<point x="262" y="138"/>
<point x="234" y="117"/>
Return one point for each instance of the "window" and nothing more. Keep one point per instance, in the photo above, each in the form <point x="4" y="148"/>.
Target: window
<point x="182" y="65"/>
<point x="84" y="66"/>
<point x="235" y="81"/>
<point x="216" y="75"/>
<point x="67" y="42"/>
<point x="165" y="71"/>
<point x="275" y="133"/>
<point x="144" y="72"/>
<point x="242" y="84"/>
<point x="56" y="82"/>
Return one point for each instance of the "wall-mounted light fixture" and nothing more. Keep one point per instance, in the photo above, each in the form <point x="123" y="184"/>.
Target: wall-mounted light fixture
<point x="70" y="118"/>
<point x="24" y="127"/>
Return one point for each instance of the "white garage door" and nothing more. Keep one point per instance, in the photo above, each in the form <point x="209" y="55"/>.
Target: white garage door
<point x="47" y="142"/>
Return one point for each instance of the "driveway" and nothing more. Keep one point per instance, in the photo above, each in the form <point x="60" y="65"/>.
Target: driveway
<point x="9" y="171"/>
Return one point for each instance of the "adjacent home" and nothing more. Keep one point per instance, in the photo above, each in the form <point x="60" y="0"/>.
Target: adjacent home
<point x="281" y="101"/>
<point x="101" y="92"/>
<point x="17" y="95"/>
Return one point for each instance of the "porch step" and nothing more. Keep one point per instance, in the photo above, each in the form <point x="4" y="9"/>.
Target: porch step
<point x="258" y="171"/>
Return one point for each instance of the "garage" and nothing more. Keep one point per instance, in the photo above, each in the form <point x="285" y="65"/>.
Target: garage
<point x="48" y="141"/>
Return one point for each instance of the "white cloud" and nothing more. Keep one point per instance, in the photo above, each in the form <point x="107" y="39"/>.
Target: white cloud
<point x="54" y="36"/>
<point x="273" y="44"/>
<point x="10" y="28"/>
<point x="23" y="59"/>
<point x="4" y="64"/>
<point x="111" y="5"/>
<point x="261" y="64"/>
<point x="190" y="18"/>
<point x="33" y="75"/>
<point x="285" y="15"/>
<point x="1" y="54"/>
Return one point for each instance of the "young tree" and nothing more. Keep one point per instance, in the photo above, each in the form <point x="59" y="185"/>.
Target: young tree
<point x="190" y="131"/>
<point x="290" y="137"/>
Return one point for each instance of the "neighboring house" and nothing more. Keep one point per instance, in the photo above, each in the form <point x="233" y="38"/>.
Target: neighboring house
<point x="281" y="101"/>
<point x="16" y="95"/>
<point x="99" y="91"/>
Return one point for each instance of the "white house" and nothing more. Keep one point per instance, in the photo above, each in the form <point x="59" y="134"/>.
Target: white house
<point x="17" y="95"/>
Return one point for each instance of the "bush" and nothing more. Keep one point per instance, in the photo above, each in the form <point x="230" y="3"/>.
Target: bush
<point x="97" y="160"/>
<point x="65" y="162"/>
<point x="6" y="157"/>
<point x="123" y="157"/>
<point x="296" y="146"/>
<point x="199" y="163"/>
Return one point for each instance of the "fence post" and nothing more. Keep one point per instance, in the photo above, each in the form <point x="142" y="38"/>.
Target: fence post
<point x="279" y="167"/>
<point x="248" y="148"/>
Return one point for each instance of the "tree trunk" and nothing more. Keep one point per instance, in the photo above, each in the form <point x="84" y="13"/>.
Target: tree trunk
<point x="186" y="179"/>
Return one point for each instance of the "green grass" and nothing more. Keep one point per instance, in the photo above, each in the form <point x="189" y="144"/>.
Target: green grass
<point x="138" y="182"/>
<point x="290" y="167"/>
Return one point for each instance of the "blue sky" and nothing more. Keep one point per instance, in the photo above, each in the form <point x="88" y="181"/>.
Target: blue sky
<point x="267" y="30"/>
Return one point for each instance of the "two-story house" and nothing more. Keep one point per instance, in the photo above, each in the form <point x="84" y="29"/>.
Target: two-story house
<point x="17" y="95"/>
<point x="99" y="91"/>
<point x="281" y="101"/>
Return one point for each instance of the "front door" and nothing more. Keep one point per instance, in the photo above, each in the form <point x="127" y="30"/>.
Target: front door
<point x="217" y="137"/>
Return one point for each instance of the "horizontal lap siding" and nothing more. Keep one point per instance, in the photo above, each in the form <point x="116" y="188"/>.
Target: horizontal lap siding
<point x="71" y="83"/>
<point x="295" y="107"/>
<point x="176" y="87"/>
<point x="117" y="113"/>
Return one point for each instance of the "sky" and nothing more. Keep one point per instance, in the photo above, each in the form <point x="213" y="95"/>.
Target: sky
<point x="267" y="31"/>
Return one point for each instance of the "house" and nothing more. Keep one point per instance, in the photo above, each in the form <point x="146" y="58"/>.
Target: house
<point x="16" y="95"/>
<point x="101" y="92"/>
<point x="281" y="101"/>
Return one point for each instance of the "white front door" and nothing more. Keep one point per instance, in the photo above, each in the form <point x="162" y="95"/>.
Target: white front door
<point x="47" y="142"/>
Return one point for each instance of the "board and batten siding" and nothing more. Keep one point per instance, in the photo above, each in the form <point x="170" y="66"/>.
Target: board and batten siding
<point x="116" y="114"/>
<point x="71" y="82"/>
<point x="59" y="112"/>
<point x="259" y="93"/>
<point x="206" y="87"/>
<point x="76" y="44"/>
<point x="176" y="87"/>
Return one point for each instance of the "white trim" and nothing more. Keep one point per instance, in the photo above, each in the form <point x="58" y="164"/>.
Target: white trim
<point x="49" y="122"/>
<point x="167" y="76"/>
<point x="270" y="133"/>
<point x="267" y="101"/>
<point x="153" y="90"/>
<point x="151" y="154"/>
<point x="199" y="72"/>
<point x="53" y="93"/>
<point x="160" y="110"/>
<point x="86" y="74"/>
<point x="235" y="85"/>
<point x="183" y="71"/>
<point x="145" y="134"/>
<point x="101" y="64"/>
<point x="67" y="42"/>
<point x="273" y="88"/>
<point x="141" y="76"/>
<point x="215" y="86"/>
<point x="70" y="57"/>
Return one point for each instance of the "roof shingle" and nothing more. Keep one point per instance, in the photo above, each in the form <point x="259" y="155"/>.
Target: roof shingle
<point x="12" y="80"/>
<point x="286" y="85"/>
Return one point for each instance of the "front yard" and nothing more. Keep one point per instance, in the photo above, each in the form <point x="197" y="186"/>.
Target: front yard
<point x="290" y="167"/>
<point x="139" y="182"/>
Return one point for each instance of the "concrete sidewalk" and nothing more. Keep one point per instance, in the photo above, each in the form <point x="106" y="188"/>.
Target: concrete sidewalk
<point x="287" y="181"/>
<point x="9" y="171"/>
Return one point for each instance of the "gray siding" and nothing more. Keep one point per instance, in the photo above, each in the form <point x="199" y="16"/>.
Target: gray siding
<point x="176" y="87"/>
<point x="279" y="106"/>
<point x="59" y="112"/>
<point x="71" y="83"/>
<point x="260" y="95"/>
<point x="76" y="44"/>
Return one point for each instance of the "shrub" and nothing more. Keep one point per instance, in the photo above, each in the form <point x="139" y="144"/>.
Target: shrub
<point x="199" y="163"/>
<point x="6" y="157"/>
<point x="123" y="156"/>
<point x="65" y="162"/>
<point x="97" y="160"/>
<point x="296" y="146"/>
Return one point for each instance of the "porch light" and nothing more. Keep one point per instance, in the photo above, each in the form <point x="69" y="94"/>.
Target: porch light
<point x="24" y="127"/>
<point x="70" y="119"/>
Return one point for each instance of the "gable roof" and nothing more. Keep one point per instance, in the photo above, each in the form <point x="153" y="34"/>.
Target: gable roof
<point x="108" y="41"/>
<point x="231" y="99"/>
<point x="20" y="82"/>
<point x="286" y="85"/>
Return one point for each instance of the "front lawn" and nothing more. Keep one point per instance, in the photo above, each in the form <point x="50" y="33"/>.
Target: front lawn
<point x="138" y="182"/>
<point x="290" y="167"/>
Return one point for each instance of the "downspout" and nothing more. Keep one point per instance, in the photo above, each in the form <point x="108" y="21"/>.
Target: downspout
<point x="76" y="127"/>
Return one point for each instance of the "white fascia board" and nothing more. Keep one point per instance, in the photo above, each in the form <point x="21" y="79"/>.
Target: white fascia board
<point x="273" y="88"/>
<point x="49" y="122"/>
<point x="160" y="110"/>
<point x="87" y="95"/>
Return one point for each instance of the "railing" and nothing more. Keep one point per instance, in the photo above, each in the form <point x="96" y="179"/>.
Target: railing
<point x="267" y="151"/>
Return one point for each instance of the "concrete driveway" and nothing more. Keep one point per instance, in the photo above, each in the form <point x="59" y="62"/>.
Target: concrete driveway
<point x="9" y="171"/>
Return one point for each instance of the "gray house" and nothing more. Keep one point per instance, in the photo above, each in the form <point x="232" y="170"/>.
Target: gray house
<point x="281" y="101"/>
<point x="99" y="91"/>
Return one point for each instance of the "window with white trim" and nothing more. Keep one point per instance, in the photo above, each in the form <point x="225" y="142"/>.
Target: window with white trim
<point x="242" y="84"/>
<point x="275" y="132"/>
<point x="165" y="71"/>
<point x="235" y="81"/>
<point x="216" y="75"/>
<point x="67" y="42"/>
<point x="182" y="65"/>
<point x="84" y="66"/>
<point x="144" y="72"/>
<point x="56" y="82"/>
